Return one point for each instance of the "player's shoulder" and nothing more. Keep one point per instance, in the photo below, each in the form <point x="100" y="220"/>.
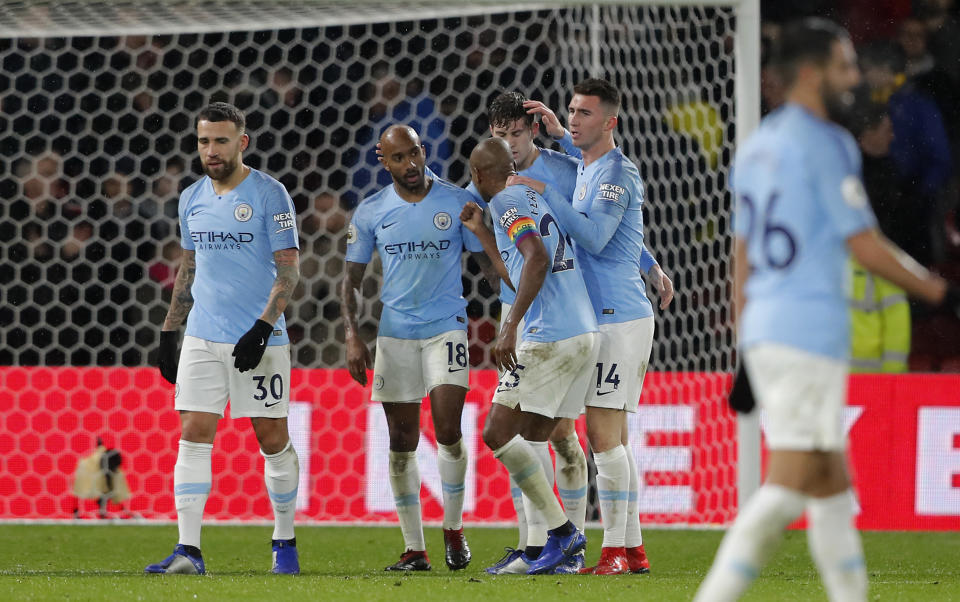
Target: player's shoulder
<point x="449" y="190"/>
<point x="793" y="127"/>
<point x="558" y="161"/>
<point x="618" y="169"/>
<point x="266" y="185"/>
<point x="191" y="192"/>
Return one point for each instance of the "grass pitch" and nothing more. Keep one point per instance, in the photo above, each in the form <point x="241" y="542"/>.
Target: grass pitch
<point x="106" y="562"/>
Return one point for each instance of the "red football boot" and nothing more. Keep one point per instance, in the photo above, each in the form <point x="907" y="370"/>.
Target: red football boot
<point x="613" y="561"/>
<point x="637" y="560"/>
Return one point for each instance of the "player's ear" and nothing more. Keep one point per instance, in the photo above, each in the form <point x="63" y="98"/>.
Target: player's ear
<point x="535" y="128"/>
<point x="244" y="142"/>
<point x="611" y="123"/>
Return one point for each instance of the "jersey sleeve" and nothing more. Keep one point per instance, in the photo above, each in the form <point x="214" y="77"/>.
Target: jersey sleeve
<point x="360" y="237"/>
<point x="566" y="143"/>
<point x="281" y="219"/>
<point x="647" y="260"/>
<point x="186" y="241"/>
<point x="515" y="216"/>
<point x="836" y="177"/>
<point x="592" y="232"/>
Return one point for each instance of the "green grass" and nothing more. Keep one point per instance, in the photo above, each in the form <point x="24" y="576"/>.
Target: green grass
<point x="345" y="563"/>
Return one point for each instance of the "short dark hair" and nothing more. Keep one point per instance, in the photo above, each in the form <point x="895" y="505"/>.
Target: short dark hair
<point x="223" y="111"/>
<point x="808" y="40"/>
<point x="507" y="108"/>
<point x="601" y="88"/>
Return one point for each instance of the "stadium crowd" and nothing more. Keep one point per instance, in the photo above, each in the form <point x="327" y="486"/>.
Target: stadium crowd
<point x="90" y="255"/>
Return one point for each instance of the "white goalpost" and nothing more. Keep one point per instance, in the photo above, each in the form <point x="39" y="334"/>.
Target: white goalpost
<point x="98" y="99"/>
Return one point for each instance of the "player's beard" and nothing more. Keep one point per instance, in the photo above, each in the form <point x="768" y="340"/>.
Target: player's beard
<point x="414" y="186"/>
<point x="222" y="171"/>
<point x="838" y="104"/>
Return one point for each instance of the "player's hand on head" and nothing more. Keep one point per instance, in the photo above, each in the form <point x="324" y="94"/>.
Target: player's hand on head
<point x="379" y="153"/>
<point x="249" y="349"/>
<point x="551" y="124"/>
<point x="663" y="284"/>
<point x="472" y="216"/>
<point x="518" y="180"/>
<point x="167" y="356"/>
<point x="358" y="360"/>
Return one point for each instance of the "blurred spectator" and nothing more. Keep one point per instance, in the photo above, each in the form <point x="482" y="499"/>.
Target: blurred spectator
<point x="943" y="32"/>
<point x="920" y="149"/>
<point x="912" y="39"/>
<point x="879" y="311"/>
<point x="74" y="245"/>
<point x="163" y="271"/>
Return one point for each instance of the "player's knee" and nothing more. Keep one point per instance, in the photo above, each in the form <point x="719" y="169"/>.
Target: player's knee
<point x="447" y="434"/>
<point x="403" y="441"/>
<point x="493" y="435"/>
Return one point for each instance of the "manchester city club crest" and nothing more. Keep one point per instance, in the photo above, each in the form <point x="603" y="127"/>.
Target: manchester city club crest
<point x="243" y="212"/>
<point x="442" y="220"/>
<point x="378" y="382"/>
<point x="583" y="191"/>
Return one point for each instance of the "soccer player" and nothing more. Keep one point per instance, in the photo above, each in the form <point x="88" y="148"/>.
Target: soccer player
<point x="547" y="376"/>
<point x="422" y="339"/>
<point x="510" y="121"/>
<point x="605" y="221"/>
<point x="800" y="207"/>
<point x="240" y="265"/>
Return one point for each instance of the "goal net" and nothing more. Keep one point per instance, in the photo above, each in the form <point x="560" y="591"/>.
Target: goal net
<point x="98" y="101"/>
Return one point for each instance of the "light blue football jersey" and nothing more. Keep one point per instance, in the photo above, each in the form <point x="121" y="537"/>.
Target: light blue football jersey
<point x="558" y="170"/>
<point x="562" y="308"/>
<point x="611" y="186"/>
<point x="799" y="196"/>
<point x="420" y="246"/>
<point x="234" y="236"/>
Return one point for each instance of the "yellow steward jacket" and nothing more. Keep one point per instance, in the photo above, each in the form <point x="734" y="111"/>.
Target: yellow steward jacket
<point x="879" y="323"/>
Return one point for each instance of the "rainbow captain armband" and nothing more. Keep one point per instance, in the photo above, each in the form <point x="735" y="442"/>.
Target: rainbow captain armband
<point x="521" y="228"/>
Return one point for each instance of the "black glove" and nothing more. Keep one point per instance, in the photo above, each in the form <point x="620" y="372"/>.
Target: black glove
<point x="741" y="395"/>
<point x="249" y="349"/>
<point x="167" y="355"/>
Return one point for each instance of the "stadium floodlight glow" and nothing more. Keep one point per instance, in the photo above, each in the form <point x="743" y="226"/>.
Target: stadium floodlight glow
<point x="97" y="138"/>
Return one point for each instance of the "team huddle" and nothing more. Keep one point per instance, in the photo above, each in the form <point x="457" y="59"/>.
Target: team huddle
<point x="566" y="252"/>
<point x="575" y="334"/>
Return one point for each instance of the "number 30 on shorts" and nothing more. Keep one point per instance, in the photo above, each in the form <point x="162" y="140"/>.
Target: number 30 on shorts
<point x="275" y="384"/>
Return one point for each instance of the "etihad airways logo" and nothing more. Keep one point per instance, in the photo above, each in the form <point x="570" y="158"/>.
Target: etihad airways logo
<point x="220" y="241"/>
<point x="424" y="249"/>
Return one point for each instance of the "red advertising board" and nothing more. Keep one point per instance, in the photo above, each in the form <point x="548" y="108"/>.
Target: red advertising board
<point x="905" y="448"/>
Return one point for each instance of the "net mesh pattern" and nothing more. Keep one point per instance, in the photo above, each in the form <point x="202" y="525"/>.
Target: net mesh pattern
<point x="98" y="140"/>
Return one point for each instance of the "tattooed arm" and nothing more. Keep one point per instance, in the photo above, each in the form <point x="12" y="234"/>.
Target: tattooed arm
<point x="182" y="300"/>
<point x="288" y="274"/>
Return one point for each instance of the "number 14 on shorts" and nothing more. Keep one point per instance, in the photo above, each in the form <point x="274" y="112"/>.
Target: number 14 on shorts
<point x="612" y="378"/>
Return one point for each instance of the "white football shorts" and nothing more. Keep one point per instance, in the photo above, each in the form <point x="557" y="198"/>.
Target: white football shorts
<point x="802" y="395"/>
<point x="406" y="370"/>
<point x="206" y="379"/>
<point x="551" y="379"/>
<point x="621" y="364"/>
